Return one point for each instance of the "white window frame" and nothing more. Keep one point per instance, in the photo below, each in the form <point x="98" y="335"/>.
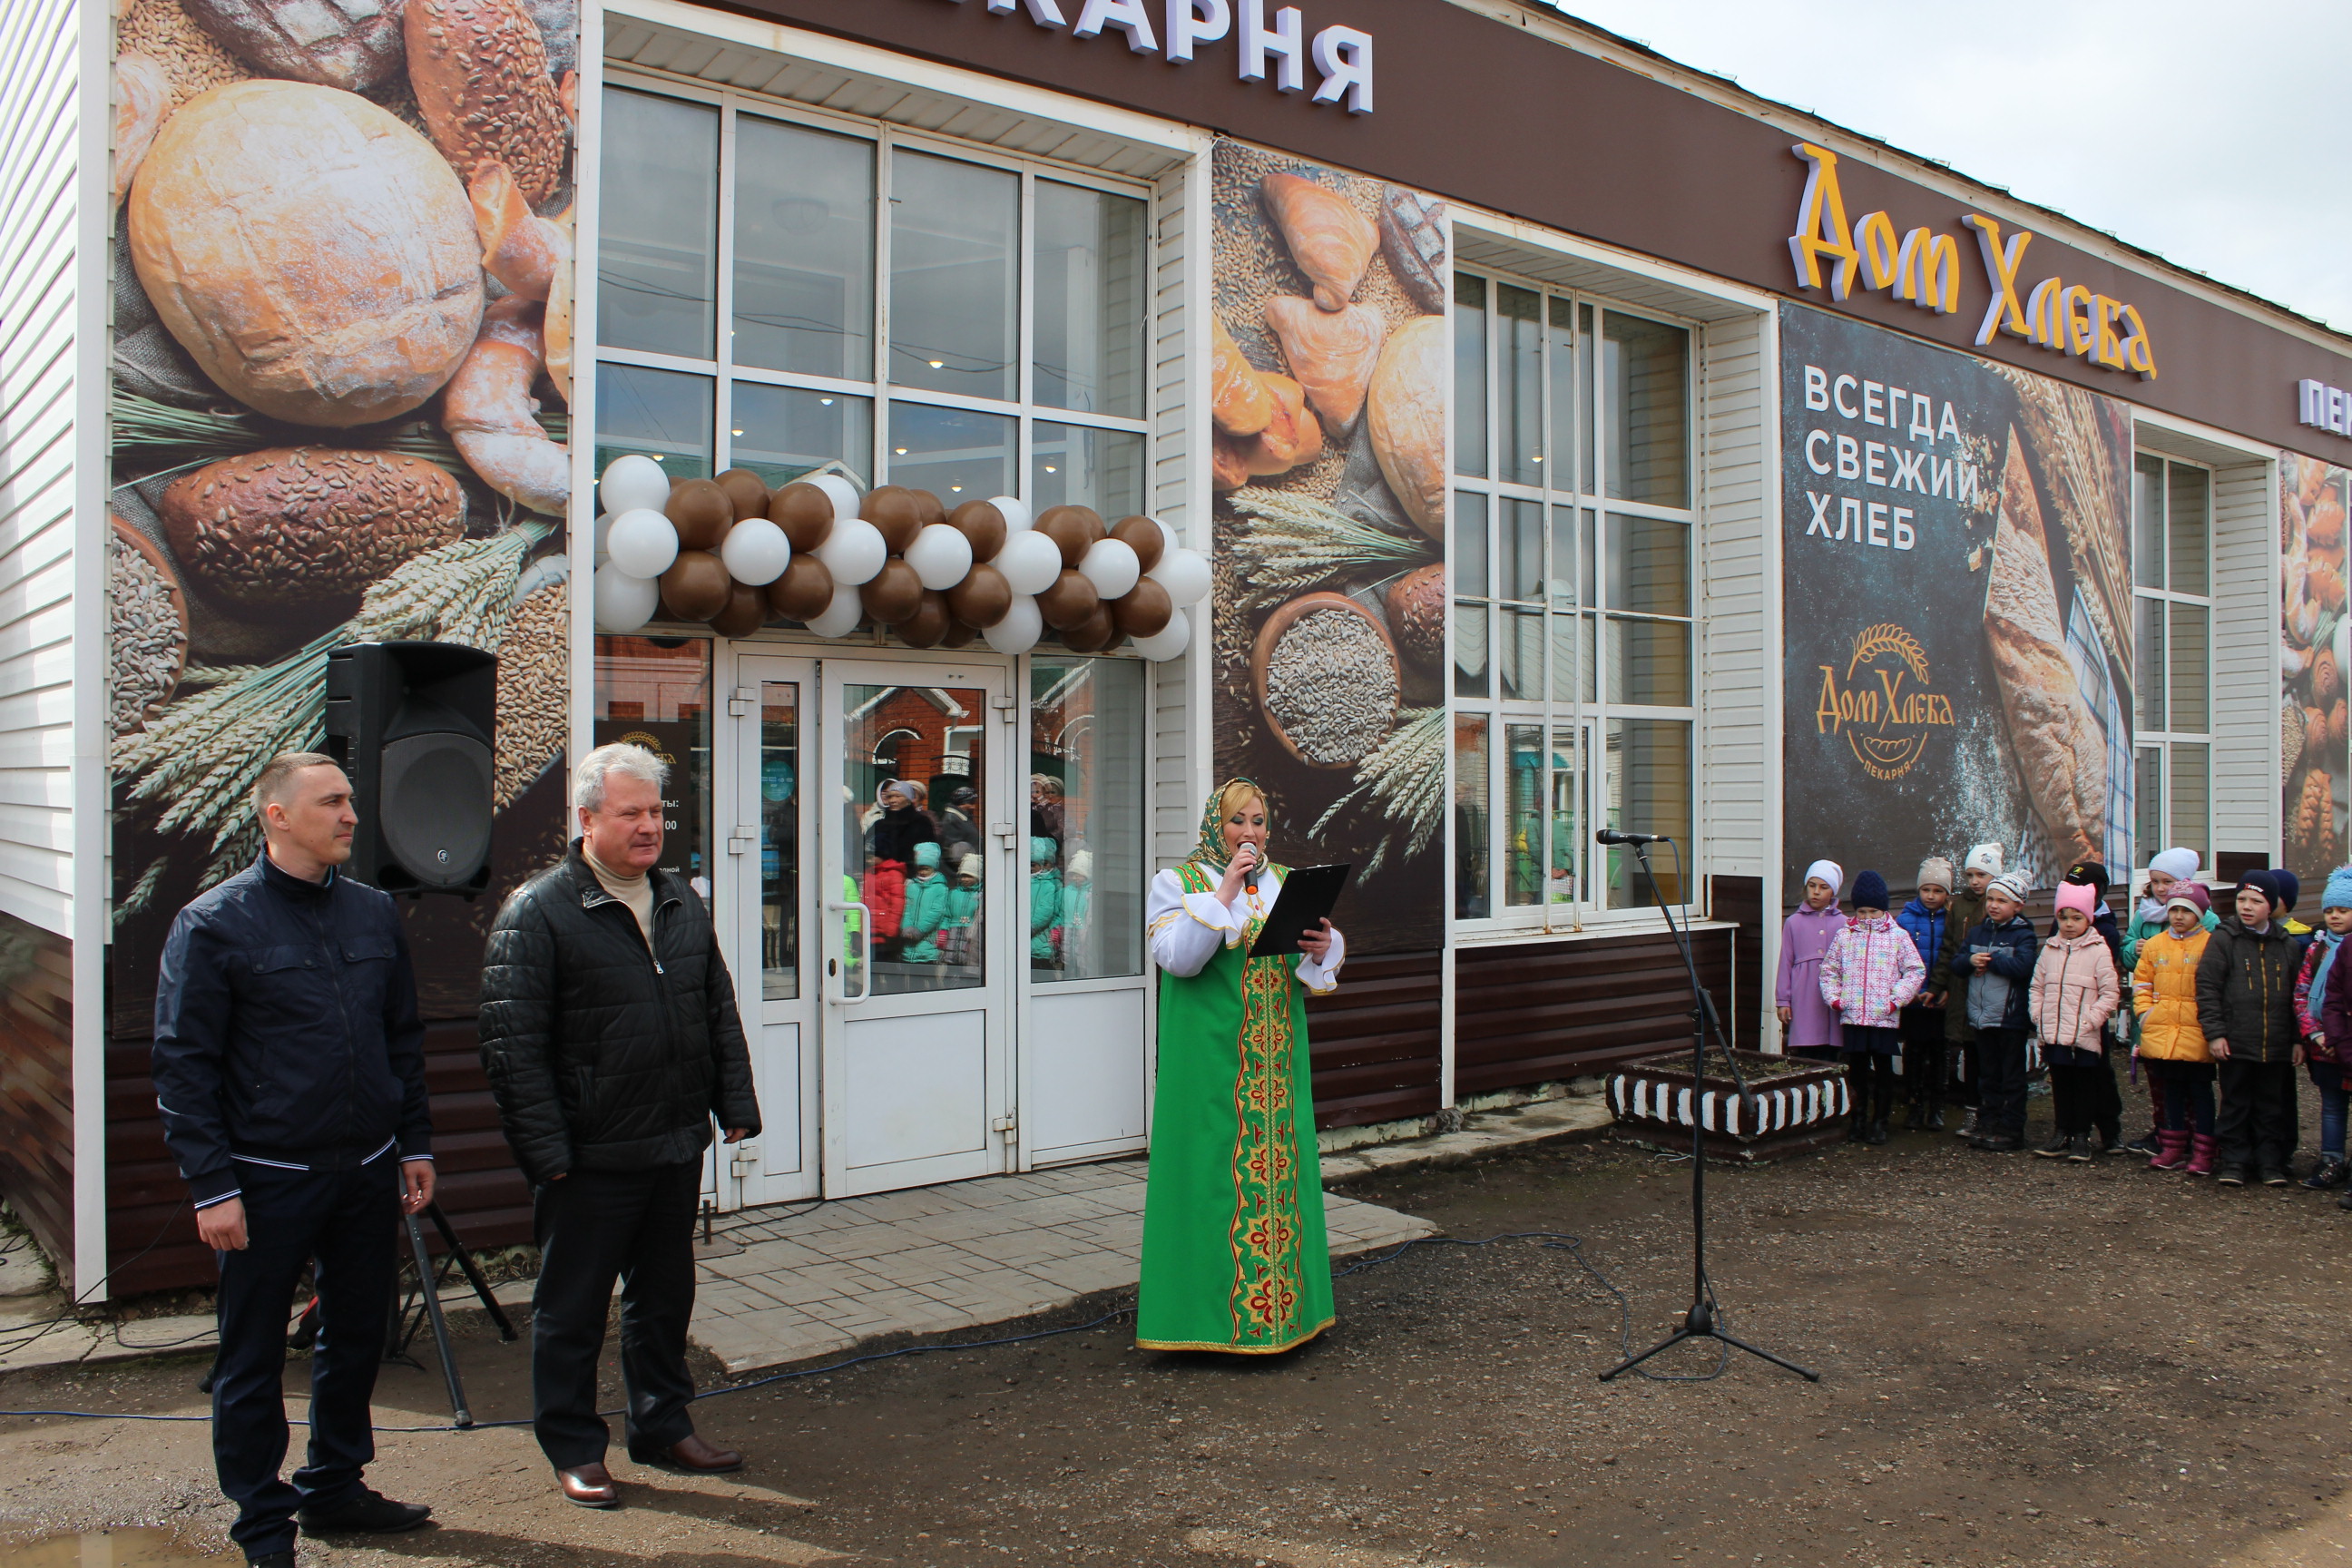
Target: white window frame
<point x="2163" y="741"/>
<point x="1586" y="721"/>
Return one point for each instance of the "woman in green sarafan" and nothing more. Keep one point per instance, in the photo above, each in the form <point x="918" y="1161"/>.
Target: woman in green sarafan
<point x="1234" y="1252"/>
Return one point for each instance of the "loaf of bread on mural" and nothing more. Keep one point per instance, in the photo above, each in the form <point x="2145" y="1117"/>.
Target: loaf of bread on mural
<point x="315" y="256"/>
<point x="2061" y="750"/>
<point x="354" y="45"/>
<point x="480" y="71"/>
<point x="304" y="523"/>
<point x="1406" y="413"/>
<point x="1332" y="241"/>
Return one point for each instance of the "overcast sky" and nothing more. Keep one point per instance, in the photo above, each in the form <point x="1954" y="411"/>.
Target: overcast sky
<point x="2218" y="135"/>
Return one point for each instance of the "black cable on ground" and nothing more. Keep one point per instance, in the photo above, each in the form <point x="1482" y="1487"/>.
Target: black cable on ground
<point x="43" y="1325"/>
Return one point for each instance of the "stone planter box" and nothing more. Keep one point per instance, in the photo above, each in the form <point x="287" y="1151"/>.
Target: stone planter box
<point x="1795" y="1104"/>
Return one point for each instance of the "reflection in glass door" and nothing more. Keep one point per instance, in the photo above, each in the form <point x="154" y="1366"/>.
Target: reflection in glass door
<point x="771" y="740"/>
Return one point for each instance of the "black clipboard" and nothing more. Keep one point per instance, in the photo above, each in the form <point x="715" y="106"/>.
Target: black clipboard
<point x="1307" y="896"/>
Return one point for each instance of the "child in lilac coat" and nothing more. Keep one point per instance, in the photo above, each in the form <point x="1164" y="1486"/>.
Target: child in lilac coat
<point x="1871" y="969"/>
<point x="1810" y="1025"/>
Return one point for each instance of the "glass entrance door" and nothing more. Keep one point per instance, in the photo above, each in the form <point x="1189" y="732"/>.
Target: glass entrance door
<point x="916" y="861"/>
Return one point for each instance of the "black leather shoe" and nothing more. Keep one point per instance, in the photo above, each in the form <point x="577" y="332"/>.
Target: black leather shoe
<point x="365" y="1513"/>
<point x="273" y="1560"/>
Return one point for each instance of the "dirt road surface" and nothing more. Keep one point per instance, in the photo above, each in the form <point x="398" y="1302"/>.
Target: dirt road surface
<point x="2024" y="1362"/>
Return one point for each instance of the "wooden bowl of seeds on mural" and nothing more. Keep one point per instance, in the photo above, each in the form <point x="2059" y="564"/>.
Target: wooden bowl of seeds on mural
<point x="1325" y="673"/>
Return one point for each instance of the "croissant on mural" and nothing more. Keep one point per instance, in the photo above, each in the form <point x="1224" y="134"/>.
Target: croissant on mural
<point x="1238" y="396"/>
<point x="1329" y="239"/>
<point x="1332" y="352"/>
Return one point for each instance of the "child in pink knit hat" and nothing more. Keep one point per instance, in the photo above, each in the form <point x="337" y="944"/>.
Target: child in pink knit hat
<point x="2075" y="989"/>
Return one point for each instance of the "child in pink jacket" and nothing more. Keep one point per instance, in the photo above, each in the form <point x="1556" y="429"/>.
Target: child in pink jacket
<point x="2075" y="989"/>
<point x="1871" y="970"/>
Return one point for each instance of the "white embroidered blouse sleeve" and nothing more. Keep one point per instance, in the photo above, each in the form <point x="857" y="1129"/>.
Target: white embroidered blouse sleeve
<point x="1186" y="929"/>
<point x="1324" y="977"/>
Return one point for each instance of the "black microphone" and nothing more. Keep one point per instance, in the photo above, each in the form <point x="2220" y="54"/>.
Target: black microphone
<point x="1249" y="879"/>
<point x="1611" y="836"/>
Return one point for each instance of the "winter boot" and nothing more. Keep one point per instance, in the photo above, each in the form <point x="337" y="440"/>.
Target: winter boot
<point x="2172" y="1150"/>
<point x="2346" y="1201"/>
<point x="2328" y="1172"/>
<point x="1967" y="1127"/>
<point x="2203" y="1147"/>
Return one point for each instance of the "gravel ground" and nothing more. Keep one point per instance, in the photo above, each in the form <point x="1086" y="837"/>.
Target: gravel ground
<point x="2023" y="1362"/>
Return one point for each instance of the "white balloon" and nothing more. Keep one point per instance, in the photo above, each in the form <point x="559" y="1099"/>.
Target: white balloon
<point x="941" y="555"/>
<point x="1185" y="575"/>
<point x="596" y="538"/>
<point x="1014" y="511"/>
<point x="844" y="494"/>
<point x="854" y="552"/>
<point x="1111" y="565"/>
<point x="634" y="481"/>
<point x="624" y="603"/>
<point x="1019" y="630"/>
<point x="756" y="551"/>
<point x="1168" y="640"/>
<point x="1168" y="540"/>
<point x="840" y="617"/>
<point x="1030" y="561"/>
<point x="642" y="541"/>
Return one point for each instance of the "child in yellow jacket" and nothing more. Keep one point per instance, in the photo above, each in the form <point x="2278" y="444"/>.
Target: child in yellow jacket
<point x="2172" y="1043"/>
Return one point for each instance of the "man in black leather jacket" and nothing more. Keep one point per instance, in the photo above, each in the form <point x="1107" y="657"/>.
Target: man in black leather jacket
<point x="289" y="1068"/>
<point x="610" y="1036"/>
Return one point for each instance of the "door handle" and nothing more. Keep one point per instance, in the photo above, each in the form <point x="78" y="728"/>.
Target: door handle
<point x="866" y="960"/>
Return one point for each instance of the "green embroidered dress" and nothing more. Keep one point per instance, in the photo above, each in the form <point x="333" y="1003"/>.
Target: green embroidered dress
<point x="1235" y="1257"/>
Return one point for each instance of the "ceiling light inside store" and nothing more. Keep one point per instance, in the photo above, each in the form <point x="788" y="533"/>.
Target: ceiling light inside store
<point x="900" y="450"/>
<point x="1050" y="470"/>
<point x="734" y="432"/>
<point x="939" y="363"/>
<point x="826" y="401"/>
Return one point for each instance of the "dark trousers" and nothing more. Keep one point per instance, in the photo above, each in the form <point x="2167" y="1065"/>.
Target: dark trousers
<point x="593" y="1228"/>
<point x="2256" y="1124"/>
<point x="2001" y="1083"/>
<point x="1924" y="1057"/>
<point x="2107" y="1100"/>
<point x="2188" y="1094"/>
<point x="347" y="1225"/>
<point x="1971" y="1080"/>
<point x="2073" y="1095"/>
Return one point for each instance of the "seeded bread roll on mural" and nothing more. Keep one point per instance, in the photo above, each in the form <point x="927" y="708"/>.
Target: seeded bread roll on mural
<point x="480" y="71"/>
<point x="304" y="523"/>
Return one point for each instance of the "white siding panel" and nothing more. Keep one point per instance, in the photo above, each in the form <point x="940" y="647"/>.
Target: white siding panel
<point x="40" y="127"/>
<point x="1737" y="489"/>
<point x="2246" y="808"/>
<point x="1179" y="496"/>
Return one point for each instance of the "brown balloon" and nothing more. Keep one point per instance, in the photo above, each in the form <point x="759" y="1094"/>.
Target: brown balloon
<point x="806" y="514"/>
<point x="893" y="594"/>
<point x="928" y="626"/>
<point x="1141" y="536"/>
<point x="982" y="524"/>
<point x="1073" y="529"/>
<point x="1144" y="611"/>
<point x="959" y="636"/>
<point x="893" y="509"/>
<point x="1096" y="634"/>
<point x="1068" y="600"/>
<point x="747" y="490"/>
<point x="695" y="586"/>
<point x="701" y="512"/>
<point x="982" y="598"/>
<point x="928" y="507"/>
<point x="805" y="589"/>
<point x="745" y="612"/>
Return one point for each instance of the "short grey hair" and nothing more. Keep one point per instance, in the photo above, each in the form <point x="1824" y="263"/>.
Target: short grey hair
<point x="624" y="757"/>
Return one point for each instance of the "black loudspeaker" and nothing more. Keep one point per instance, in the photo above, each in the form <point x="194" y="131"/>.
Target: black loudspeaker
<point x="411" y="723"/>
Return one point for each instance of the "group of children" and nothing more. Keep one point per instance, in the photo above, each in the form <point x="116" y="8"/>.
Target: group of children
<point x="2220" y="1008"/>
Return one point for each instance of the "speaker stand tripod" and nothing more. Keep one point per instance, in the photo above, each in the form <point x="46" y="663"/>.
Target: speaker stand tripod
<point x="414" y="1310"/>
<point x="1699" y="1322"/>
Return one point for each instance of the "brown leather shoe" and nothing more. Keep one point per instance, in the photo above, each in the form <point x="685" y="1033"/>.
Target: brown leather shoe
<point x="691" y="1453"/>
<point x="590" y="1485"/>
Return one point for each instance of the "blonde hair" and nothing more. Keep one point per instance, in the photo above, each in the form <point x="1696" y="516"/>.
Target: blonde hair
<point x="1230" y="798"/>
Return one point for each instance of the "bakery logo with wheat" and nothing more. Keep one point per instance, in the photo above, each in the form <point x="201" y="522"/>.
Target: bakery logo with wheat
<point x="1881" y="702"/>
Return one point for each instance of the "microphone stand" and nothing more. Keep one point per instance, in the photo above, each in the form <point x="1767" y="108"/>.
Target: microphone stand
<point x="1700" y="1322"/>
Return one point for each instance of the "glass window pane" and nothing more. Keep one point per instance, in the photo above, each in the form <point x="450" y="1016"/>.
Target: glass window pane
<point x="1518" y="385"/>
<point x="1472" y="631"/>
<point x="1087" y="733"/>
<point x="956" y="454"/>
<point x="1565" y="883"/>
<point x="780" y="839"/>
<point x="1070" y="465"/>
<point x="2190" y="665"/>
<point x="1571" y="556"/>
<point x="1649" y="565"/>
<point x="2147" y="802"/>
<point x="781" y="433"/>
<point x="1469" y="375"/>
<point x="931" y="738"/>
<point x="2188" y="514"/>
<point x="1521" y="552"/>
<point x="1588" y="401"/>
<point x="658" y="227"/>
<point x="1469" y="563"/>
<point x="656" y="693"/>
<point x="664" y="414"/>
<point x="2193" y="799"/>
<point x="1519" y="656"/>
<point x="1646" y="371"/>
<point x="1646" y="788"/>
<point x="1560" y="452"/>
<point x="1090" y="277"/>
<point x="804" y="250"/>
<point x="2148" y="521"/>
<point x="955" y="284"/>
<point x="1649" y="662"/>
<point x="2148" y="663"/>
<point x="1575" y="669"/>
<point x="1523" y="873"/>
<point x="1471" y="845"/>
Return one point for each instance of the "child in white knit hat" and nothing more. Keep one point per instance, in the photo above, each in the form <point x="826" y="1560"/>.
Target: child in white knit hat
<point x="1948" y="977"/>
<point x="1810" y="1025"/>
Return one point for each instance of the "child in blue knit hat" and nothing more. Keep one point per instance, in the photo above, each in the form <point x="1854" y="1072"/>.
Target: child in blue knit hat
<point x="1871" y="972"/>
<point x="2326" y="1058"/>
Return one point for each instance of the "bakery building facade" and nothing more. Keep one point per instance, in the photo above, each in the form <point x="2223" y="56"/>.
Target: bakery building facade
<point x="1543" y="437"/>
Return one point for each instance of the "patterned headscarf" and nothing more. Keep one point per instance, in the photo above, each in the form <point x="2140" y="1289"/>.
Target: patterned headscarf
<point x="1210" y="853"/>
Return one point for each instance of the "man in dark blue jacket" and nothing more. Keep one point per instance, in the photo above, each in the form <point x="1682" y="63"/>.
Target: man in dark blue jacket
<point x="289" y="1068"/>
